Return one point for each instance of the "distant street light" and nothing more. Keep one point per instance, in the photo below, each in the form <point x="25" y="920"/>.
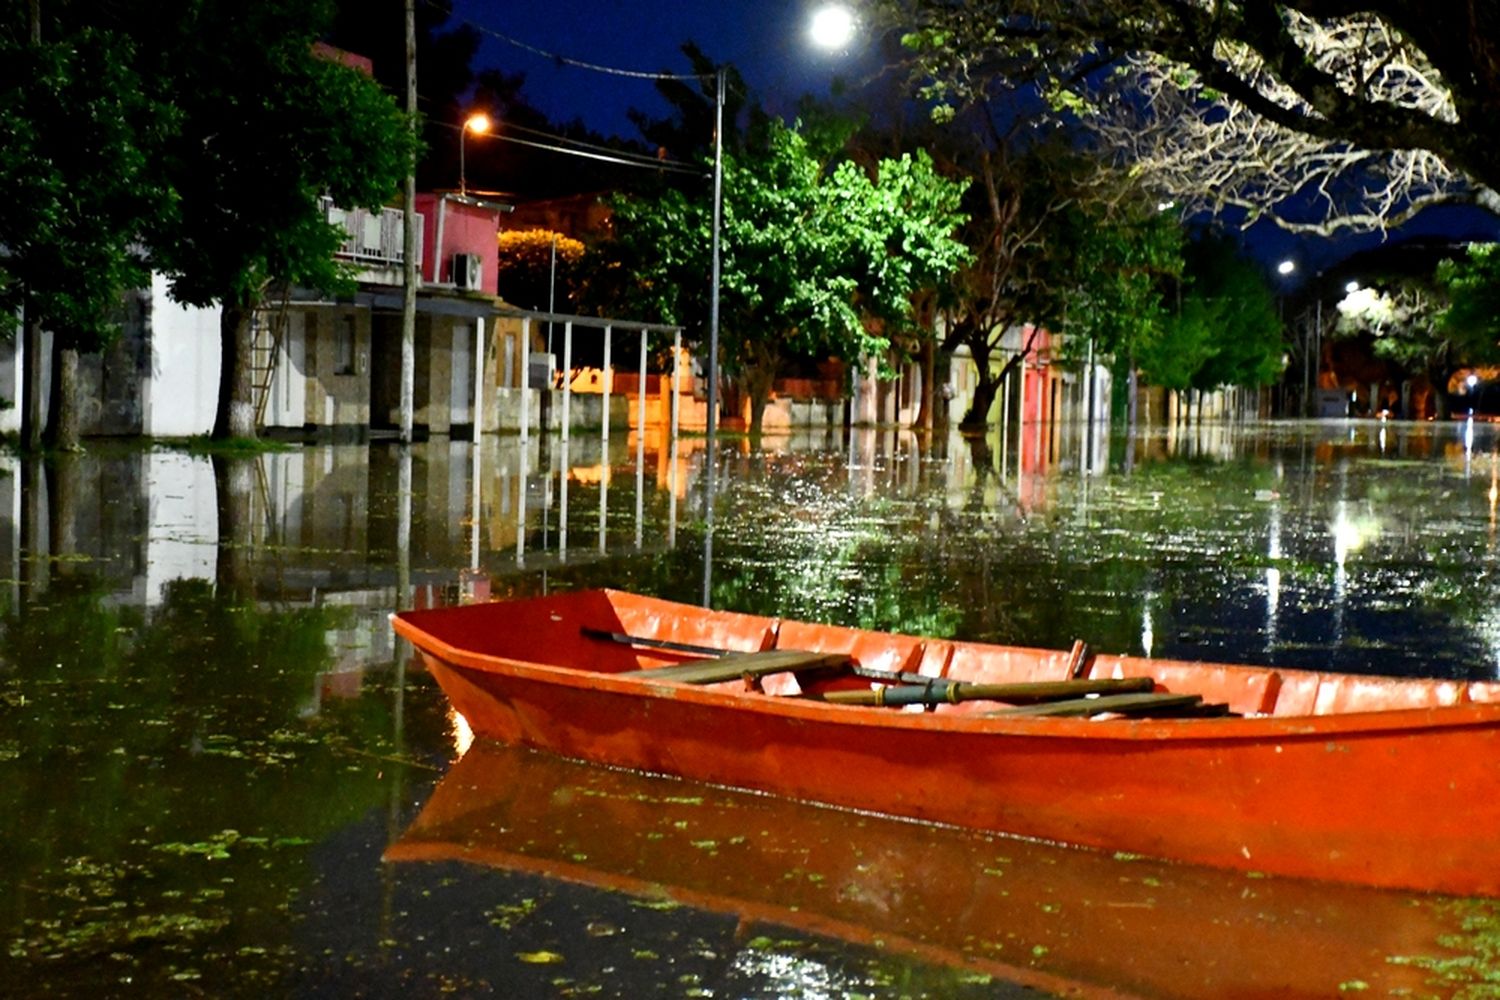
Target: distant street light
<point x="1286" y="267"/>
<point x="479" y="124"/>
<point x="1352" y="287"/>
<point x="832" y="27"/>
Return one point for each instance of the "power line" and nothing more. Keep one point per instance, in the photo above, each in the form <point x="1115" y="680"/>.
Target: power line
<point x="590" y="150"/>
<point x="644" y="163"/>
<point x="646" y="160"/>
<point x="568" y="60"/>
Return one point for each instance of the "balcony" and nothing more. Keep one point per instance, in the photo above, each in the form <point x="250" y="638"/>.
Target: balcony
<point x="373" y="241"/>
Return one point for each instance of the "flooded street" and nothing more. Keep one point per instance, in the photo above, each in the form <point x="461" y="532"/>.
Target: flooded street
<point x="220" y="776"/>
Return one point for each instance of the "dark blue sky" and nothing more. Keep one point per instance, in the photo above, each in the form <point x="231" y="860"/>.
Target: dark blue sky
<point x="765" y="39"/>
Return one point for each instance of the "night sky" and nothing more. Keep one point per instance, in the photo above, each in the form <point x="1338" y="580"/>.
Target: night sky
<point x="765" y="39"/>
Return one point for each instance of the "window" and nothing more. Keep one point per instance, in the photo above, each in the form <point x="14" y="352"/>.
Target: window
<point x="343" y="346"/>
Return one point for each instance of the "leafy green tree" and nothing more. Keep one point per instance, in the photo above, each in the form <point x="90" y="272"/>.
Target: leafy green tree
<point x="1225" y="331"/>
<point x="819" y="257"/>
<point x="527" y="258"/>
<point x="1473" y="286"/>
<point x="1122" y="252"/>
<point x="376" y="29"/>
<point x="76" y="162"/>
<point x="266" y="129"/>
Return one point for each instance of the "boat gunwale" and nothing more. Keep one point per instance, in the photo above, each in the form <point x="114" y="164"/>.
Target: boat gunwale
<point x="1244" y="729"/>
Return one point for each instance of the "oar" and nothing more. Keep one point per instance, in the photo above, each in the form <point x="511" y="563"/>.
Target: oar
<point x="868" y="673"/>
<point x="637" y="640"/>
<point x="957" y="691"/>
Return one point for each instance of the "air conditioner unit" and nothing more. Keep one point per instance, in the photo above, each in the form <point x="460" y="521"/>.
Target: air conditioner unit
<point x="468" y="271"/>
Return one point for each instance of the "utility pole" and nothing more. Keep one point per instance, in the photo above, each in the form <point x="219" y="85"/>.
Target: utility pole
<point x="409" y="237"/>
<point x="32" y="414"/>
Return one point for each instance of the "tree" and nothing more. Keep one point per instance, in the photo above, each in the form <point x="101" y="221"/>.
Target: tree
<point x="1402" y="316"/>
<point x="267" y="128"/>
<point x="80" y="131"/>
<point x="820" y="257"/>
<point x="536" y="262"/>
<point x="1473" y="287"/>
<point x="1224" y="330"/>
<point x="375" y="29"/>
<point x="1057" y="241"/>
<point x="1361" y="113"/>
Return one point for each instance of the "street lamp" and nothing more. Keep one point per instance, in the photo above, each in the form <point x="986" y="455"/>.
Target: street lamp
<point x="479" y="124"/>
<point x="1286" y="267"/>
<point x="832" y="27"/>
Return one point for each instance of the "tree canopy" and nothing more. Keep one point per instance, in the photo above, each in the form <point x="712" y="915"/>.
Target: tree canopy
<point x="1329" y="113"/>
<point x="75" y="163"/>
<point x="1224" y="329"/>
<point x="820" y="256"/>
<point x="266" y="129"/>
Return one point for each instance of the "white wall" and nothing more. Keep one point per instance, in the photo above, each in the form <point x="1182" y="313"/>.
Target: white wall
<point x="182" y="536"/>
<point x="287" y="406"/>
<point x="181" y="391"/>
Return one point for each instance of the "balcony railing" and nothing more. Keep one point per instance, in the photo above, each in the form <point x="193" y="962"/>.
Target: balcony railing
<point x="374" y="239"/>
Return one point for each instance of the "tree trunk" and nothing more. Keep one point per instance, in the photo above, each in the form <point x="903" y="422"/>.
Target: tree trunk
<point x="978" y="416"/>
<point x="234" y="487"/>
<point x="757" y="383"/>
<point x="235" y="415"/>
<point x="64" y="488"/>
<point x="33" y="412"/>
<point x="63" y="418"/>
<point x="925" y="416"/>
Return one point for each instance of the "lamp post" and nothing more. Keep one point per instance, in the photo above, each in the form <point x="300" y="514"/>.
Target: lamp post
<point x="479" y="124"/>
<point x="713" y="304"/>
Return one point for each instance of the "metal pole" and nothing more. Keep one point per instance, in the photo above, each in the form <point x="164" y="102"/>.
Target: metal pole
<point x="525" y="379"/>
<point x="640" y="397"/>
<point x="567" y="376"/>
<point x="478" y="378"/>
<point x="676" y="379"/>
<point x="606" y="375"/>
<point x="409" y="239"/>
<point x="713" y="309"/>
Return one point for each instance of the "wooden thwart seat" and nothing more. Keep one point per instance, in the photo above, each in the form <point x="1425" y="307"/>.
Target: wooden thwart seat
<point x="743" y="665"/>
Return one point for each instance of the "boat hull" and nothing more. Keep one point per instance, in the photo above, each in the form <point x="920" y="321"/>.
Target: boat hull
<point x="1404" y="798"/>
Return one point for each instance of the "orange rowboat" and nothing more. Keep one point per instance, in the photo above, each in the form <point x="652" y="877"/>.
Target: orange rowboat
<point x="1370" y="780"/>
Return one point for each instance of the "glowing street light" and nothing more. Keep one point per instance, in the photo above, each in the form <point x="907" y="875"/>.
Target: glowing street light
<point x="832" y="27"/>
<point x="1286" y="267"/>
<point x="1352" y="287"/>
<point x="479" y="124"/>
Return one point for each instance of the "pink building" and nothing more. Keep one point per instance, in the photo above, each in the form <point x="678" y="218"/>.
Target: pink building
<point x="460" y="241"/>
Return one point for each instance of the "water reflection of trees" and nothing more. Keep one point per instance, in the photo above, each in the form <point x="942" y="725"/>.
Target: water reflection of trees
<point x="140" y="749"/>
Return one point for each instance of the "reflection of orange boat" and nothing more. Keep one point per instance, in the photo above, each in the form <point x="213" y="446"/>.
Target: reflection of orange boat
<point x="1371" y="780"/>
<point x="1060" y="919"/>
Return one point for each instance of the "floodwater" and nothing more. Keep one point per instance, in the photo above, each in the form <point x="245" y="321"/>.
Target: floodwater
<point x="219" y="776"/>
